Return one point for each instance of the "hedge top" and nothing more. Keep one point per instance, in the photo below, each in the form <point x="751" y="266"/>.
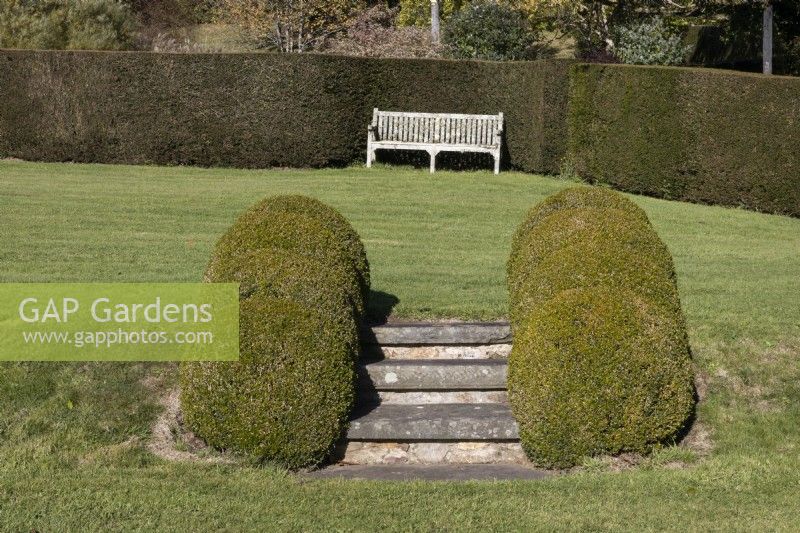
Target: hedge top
<point x="303" y="227"/>
<point x="573" y="198"/>
<point x="567" y="227"/>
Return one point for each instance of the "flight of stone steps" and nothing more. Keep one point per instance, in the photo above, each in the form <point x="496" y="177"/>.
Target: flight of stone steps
<point x="433" y="394"/>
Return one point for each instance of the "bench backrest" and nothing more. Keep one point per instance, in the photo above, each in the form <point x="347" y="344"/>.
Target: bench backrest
<point x="434" y="128"/>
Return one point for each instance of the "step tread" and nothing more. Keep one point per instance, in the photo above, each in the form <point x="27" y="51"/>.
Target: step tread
<point x="444" y="472"/>
<point x="438" y="333"/>
<point x="434" y="422"/>
<point x="434" y="374"/>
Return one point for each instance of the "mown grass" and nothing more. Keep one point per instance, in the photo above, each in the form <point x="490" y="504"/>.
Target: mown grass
<point x="72" y="436"/>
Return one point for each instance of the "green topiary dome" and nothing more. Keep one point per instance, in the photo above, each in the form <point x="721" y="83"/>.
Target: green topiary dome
<point x="598" y="371"/>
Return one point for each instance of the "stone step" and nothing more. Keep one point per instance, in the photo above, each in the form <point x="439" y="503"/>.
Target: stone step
<point x="438" y="333"/>
<point x="480" y="351"/>
<point x="443" y="472"/>
<point x="434" y="422"/>
<point x="366" y="453"/>
<point x="372" y="397"/>
<point x="433" y="375"/>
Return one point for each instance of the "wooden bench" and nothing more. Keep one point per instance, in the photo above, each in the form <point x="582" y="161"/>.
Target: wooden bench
<point x="434" y="133"/>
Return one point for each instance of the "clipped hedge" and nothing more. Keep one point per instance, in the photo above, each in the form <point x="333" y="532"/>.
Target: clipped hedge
<point x="596" y="371"/>
<point x="304" y="227"/>
<point x="698" y="135"/>
<point x="288" y="397"/>
<point x="601" y="361"/>
<point x="259" y="110"/>
<point x="334" y="221"/>
<point x="303" y="275"/>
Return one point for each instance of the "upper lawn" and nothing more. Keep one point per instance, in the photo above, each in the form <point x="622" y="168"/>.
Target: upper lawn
<point x="72" y="436"/>
<point x="438" y="244"/>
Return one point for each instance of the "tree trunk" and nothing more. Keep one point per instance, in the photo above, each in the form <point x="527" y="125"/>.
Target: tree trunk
<point x="435" y="21"/>
<point x="766" y="50"/>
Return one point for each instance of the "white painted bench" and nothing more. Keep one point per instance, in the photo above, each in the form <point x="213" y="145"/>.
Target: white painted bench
<point x="434" y="133"/>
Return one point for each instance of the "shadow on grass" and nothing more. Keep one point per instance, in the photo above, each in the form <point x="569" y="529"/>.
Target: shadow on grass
<point x="379" y="307"/>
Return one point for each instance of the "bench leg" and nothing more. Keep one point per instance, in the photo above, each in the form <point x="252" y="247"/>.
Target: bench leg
<point x="433" y="161"/>
<point x="370" y="156"/>
<point x="497" y="163"/>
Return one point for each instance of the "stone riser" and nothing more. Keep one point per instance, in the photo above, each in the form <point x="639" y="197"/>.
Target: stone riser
<point x="433" y="375"/>
<point x="485" y="351"/>
<point x="432" y="397"/>
<point x="438" y="333"/>
<point x="456" y="422"/>
<point x="366" y="453"/>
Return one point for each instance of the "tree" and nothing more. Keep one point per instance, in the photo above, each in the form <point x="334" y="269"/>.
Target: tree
<point x="490" y="31"/>
<point x="289" y="25"/>
<point x="592" y="22"/>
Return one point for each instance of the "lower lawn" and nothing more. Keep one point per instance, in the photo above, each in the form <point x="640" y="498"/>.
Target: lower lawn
<point x="73" y="436"/>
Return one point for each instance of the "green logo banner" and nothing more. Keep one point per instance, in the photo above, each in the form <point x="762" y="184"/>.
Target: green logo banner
<point x="119" y="322"/>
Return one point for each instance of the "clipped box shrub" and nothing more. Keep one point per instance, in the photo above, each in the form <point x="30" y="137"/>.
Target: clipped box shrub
<point x="335" y="222"/>
<point x="601" y="361"/>
<point x="598" y="370"/>
<point x="600" y="262"/>
<point x="301" y="298"/>
<point x="282" y="274"/>
<point x="302" y="227"/>
<point x="286" y="400"/>
<point x="605" y="227"/>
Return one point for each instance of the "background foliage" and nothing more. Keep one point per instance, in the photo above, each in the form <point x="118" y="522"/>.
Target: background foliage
<point x="67" y="24"/>
<point x="649" y="42"/>
<point x="490" y="31"/>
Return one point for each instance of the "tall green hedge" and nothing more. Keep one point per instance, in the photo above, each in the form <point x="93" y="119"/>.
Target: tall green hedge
<point x="302" y="275"/>
<point x="259" y="110"/>
<point x="600" y="363"/>
<point x="698" y="135"/>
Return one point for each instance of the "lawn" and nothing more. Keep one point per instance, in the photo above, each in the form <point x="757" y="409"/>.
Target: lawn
<point x="72" y="436"/>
